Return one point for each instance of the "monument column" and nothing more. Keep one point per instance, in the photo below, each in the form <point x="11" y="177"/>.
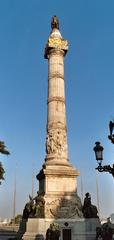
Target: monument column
<point x="57" y="200"/>
<point x="56" y="141"/>
<point x="57" y="178"/>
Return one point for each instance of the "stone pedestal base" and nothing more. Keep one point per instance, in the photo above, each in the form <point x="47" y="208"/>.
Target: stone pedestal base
<point x="80" y="229"/>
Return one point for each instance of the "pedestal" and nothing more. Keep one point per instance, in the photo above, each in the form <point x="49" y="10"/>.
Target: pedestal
<point x="78" y="229"/>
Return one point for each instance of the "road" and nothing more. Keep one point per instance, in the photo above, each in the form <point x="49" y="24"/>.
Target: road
<point x="8" y="232"/>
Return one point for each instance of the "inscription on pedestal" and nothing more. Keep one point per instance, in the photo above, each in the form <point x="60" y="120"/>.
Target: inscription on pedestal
<point x="63" y="184"/>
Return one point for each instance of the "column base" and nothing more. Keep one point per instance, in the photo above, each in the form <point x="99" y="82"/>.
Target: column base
<point x="79" y="229"/>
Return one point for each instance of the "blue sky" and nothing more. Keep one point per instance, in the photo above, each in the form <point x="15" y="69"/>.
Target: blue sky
<point x="89" y="84"/>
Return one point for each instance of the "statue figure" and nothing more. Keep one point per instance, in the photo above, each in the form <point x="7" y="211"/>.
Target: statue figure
<point x="53" y="232"/>
<point x="87" y="200"/>
<point x="59" y="141"/>
<point x="39" y="207"/>
<point x="107" y="230"/>
<point x="54" y="22"/>
<point x="29" y="209"/>
<point x="26" y="211"/>
<point x="47" y="145"/>
<point x="89" y="210"/>
<point x="50" y="143"/>
<point x="34" y="208"/>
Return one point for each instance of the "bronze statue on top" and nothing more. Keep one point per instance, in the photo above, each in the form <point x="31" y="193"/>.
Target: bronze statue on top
<point x="89" y="210"/>
<point x="54" y="22"/>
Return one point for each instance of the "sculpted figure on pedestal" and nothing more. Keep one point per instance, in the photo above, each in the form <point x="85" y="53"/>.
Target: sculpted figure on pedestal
<point x="29" y="209"/>
<point x="55" y="22"/>
<point x="34" y="208"/>
<point x="89" y="210"/>
<point x="53" y="232"/>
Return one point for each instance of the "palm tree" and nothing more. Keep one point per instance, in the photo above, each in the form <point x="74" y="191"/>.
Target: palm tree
<point x="3" y="150"/>
<point x="1" y="172"/>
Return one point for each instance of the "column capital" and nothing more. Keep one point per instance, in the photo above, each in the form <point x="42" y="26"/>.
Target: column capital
<point x="55" y="40"/>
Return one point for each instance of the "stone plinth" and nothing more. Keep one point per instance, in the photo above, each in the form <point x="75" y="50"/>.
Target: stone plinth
<point x="81" y="229"/>
<point x="58" y="186"/>
<point x="57" y="179"/>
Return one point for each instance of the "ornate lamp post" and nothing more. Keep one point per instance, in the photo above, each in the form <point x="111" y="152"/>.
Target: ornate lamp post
<point x="98" y="149"/>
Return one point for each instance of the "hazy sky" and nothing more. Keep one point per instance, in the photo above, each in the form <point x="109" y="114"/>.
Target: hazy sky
<point x="88" y="25"/>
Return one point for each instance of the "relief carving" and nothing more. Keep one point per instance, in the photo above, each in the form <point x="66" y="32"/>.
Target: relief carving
<point x="56" y="141"/>
<point x="56" y="125"/>
<point x="64" y="208"/>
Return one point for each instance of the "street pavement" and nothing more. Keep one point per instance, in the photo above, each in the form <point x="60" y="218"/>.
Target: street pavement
<point x="8" y="232"/>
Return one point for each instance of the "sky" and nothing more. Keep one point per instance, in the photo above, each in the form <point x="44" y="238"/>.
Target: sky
<point x="88" y="26"/>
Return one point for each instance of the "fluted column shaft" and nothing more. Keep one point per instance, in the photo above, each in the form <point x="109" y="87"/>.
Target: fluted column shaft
<point x="56" y="92"/>
<point x="56" y="141"/>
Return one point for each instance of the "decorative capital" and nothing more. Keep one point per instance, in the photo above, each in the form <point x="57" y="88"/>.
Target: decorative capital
<point x="54" y="22"/>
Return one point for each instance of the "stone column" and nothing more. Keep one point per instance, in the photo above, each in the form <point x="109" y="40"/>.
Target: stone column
<point x="57" y="178"/>
<point x="56" y="140"/>
<point x="57" y="198"/>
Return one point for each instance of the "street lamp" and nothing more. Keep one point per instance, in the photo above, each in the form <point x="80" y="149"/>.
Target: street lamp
<point x="98" y="149"/>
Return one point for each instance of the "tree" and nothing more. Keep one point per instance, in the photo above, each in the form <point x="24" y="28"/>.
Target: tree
<point x="1" y="172"/>
<point x="3" y="150"/>
<point x="17" y="219"/>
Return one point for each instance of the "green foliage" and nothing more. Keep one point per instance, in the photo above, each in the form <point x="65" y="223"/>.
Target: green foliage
<point x="3" y="150"/>
<point x="17" y="219"/>
<point x="1" y="172"/>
